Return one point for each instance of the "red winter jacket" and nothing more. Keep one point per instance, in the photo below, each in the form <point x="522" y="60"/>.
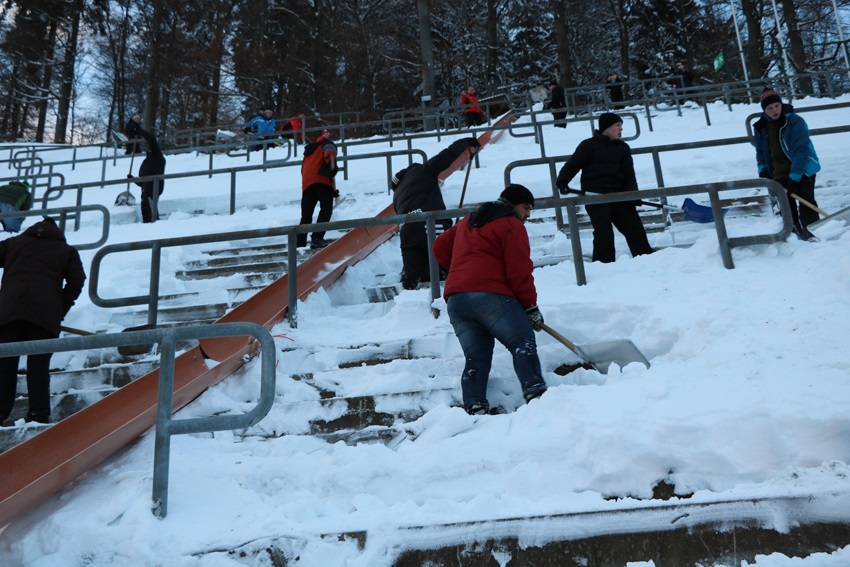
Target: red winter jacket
<point x="494" y="258"/>
<point x="470" y="103"/>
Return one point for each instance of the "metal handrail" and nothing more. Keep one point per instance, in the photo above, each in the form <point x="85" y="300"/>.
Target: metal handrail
<point x="64" y="213"/>
<point x="166" y="425"/>
<point x="231" y="171"/>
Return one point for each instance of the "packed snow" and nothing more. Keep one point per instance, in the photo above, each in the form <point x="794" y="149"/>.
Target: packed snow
<point x="747" y="396"/>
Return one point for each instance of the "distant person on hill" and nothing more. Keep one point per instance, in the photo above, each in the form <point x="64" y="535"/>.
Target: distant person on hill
<point x="615" y="90"/>
<point x="42" y="278"/>
<point x="607" y="167"/>
<point x="558" y="104"/>
<point x="417" y="189"/>
<point x="683" y="81"/>
<point x="785" y="153"/>
<point x="153" y="164"/>
<point x="131" y="130"/>
<point x="490" y="294"/>
<point x="472" y="113"/>
<point x="318" y="186"/>
<point x="263" y="126"/>
<point x="14" y="197"/>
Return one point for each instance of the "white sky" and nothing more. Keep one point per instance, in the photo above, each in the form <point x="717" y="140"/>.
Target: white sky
<point x="747" y="396"/>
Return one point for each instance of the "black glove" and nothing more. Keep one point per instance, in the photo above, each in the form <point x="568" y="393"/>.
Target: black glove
<point x="474" y="143"/>
<point x="246" y="130"/>
<point x="764" y="174"/>
<point x="563" y="188"/>
<point x="336" y="193"/>
<point x="793" y="186"/>
<point x="129" y="176"/>
<point x="535" y="317"/>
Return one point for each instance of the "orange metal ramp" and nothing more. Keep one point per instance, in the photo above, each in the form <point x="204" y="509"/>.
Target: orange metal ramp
<point x="41" y="466"/>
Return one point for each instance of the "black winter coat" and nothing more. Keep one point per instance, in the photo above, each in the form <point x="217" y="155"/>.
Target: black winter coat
<point x="417" y="188"/>
<point x="154" y="163"/>
<point x="42" y="277"/>
<point x="606" y="166"/>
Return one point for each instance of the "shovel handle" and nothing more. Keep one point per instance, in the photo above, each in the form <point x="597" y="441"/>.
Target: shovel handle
<point x="74" y="331"/>
<point x="559" y="337"/>
<point x="821" y="212"/>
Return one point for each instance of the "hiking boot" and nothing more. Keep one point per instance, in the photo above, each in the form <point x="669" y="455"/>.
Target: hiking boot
<point x="804" y="234"/>
<point x="317" y="244"/>
<point x="533" y="395"/>
<point x="38" y="416"/>
<point x="478" y="409"/>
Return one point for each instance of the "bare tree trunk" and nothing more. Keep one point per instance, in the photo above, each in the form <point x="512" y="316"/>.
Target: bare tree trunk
<point x="618" y="9"/>
<point x="492" y="62"/>
<point x="47" y="79"/>
<point x="68" y="65"/>
<point x="797" y="52"/>
<point x="153" y="85"/>
<point x="754" y="46"/>
<point x="565" y="56"/>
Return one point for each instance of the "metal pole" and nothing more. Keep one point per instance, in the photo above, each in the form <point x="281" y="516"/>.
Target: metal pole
<point x="741" y="48"/>
<point x="841" y="37"/>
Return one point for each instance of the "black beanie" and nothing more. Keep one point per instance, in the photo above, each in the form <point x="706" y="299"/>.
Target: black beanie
<point x="769" y="96"/>
<point x="516" y="194"/>
<point x="607" y="120"/>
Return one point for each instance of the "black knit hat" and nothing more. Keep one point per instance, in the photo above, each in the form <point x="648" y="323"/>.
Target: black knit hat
<point x="516" y="194"/>
<point x="769" y="96"/>
<point x="607" y="120"/>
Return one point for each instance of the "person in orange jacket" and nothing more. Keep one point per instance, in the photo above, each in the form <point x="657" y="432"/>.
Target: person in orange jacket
<point x="294" y="128"/>
<point x="318" y="169"/>
<point x="473" y="114"/>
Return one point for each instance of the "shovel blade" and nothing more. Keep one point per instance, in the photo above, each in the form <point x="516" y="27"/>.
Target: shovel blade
<point x="843" y="214"/>
<point x="695" y="212"/>
<point x="601" y="355"/>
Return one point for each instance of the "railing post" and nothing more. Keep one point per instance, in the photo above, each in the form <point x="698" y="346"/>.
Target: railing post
<point x="162" y="441"/>
<point x="153" y="298"/>
<point x="292" y="278"/>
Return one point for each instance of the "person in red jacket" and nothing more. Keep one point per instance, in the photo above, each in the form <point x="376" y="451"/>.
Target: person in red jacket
<point x="490" y="294"/>
<point x="472" y="113"/>
<point x="42" y="278"/>
<point x="318" y="169"/>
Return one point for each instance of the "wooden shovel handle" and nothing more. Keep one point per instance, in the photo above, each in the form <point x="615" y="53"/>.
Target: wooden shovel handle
<point x="559" y="337"/>
<point x="821" y="212"/>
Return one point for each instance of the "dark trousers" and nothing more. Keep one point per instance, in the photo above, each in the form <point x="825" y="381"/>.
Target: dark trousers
<point x="38" y="372"/>
<point x="624" y="216"/>
<point x="323" y="195"/>
<point x="414" y="255"/>
<point x="559" y="116"/>
<point x="474" y="119"/>
<point x="148" y="201"/>
<point x="801" y="214"/>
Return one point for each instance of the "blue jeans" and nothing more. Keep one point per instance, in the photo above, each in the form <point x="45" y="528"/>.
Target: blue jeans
<point x="11" y="224"/>
<point x="478" y="319"/>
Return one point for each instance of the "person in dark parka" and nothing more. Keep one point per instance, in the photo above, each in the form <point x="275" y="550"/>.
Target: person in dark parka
<point x="417" y="189"/>
<point x="42" y="278"/>
<point x="607" y="167"/>
<point x="557" y="104"/>
<point x="153" y="164"/>
<point x="131" y="130"/>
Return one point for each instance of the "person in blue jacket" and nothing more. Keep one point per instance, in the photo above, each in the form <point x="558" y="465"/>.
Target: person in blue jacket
<point x="784" y="153"/>
<point x="263" y="126"/>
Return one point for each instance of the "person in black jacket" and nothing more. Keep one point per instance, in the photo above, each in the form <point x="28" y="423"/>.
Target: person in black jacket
<point x="417" y="189"/>
<point x="557" y="104"/>
<point x="606" y="164"/>
<point x="42" y="278"/>
<point x="153" y="164"/>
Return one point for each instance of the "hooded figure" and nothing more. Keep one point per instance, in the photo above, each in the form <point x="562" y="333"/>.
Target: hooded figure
<point x="42" y="278"/>
<point x="14" y="197"/>
<point x="490" y="293"/>
<point x="153" y="164"/>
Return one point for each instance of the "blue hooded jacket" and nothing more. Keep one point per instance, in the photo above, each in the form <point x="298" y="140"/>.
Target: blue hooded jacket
<point x="795" y="141"/>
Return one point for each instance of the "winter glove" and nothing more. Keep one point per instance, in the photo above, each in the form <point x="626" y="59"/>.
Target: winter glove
<point x="764" y="174"/>
<point x="474" y="143"/>
<point x="793" y="187"/>
<point x="129" y="176"/>
<point x="535" y="317"/>
<point x="563" y="188"/>
<point x="336" y="193"/>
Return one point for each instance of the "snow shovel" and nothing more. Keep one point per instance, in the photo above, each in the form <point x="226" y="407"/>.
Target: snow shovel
<point x="843" y="214"/>
<point x="601" y="355"/>
<point x="691" y="210"/>
<point x="125" y="197"/>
